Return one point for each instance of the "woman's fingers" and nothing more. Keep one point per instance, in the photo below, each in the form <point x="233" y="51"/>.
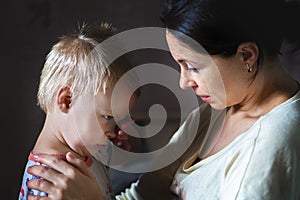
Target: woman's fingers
<point x="63" y="179"/>
<point x="53" y="162"/>
<point x="78" y="164"/>
<point x="40" y="185"/>
<point x="51" y="182"/>
<point x="45" y="173"/>
<point x="60" y="165"/>
<point x="32" y="197"/>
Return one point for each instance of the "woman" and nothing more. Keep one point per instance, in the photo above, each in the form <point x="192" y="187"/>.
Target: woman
<point x="256" y="154"/>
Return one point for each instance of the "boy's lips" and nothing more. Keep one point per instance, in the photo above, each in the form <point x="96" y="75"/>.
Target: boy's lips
<point x="205" y="98"/>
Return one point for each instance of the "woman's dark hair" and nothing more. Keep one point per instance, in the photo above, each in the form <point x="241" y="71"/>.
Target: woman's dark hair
<point x="221" y="25"/>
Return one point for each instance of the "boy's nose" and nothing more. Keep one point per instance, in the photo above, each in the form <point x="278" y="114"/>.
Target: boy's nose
<point x="185" y="82"/>
<point x="110" y="134"/>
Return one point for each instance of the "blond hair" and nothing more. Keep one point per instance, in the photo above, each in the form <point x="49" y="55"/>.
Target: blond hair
<point x="76" y="62"/>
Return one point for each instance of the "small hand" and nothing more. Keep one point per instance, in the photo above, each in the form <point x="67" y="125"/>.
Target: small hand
<point x="119" y="137"/>
<point x="122" y="140"/>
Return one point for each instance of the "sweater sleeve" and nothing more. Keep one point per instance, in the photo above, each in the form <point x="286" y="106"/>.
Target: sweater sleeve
<point x="273" y="172"/>
<point x="156" y="184"/>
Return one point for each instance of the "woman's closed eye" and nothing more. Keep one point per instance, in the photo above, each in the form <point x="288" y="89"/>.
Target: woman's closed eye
<point x="191" y="68"/>
<point x="187" y="66"/>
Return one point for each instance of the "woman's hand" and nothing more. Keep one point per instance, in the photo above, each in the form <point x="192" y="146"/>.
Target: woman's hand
<point x="63" y="180"/>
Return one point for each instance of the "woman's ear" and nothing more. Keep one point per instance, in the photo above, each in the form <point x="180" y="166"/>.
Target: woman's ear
<point x="64" y="99"/>
<point x="249" y="53"/>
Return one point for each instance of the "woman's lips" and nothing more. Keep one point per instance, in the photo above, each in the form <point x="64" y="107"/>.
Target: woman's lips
<point x="204" y="97"/>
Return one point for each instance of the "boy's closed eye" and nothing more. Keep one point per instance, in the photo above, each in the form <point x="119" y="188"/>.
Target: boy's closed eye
<point x="108" y="117"/>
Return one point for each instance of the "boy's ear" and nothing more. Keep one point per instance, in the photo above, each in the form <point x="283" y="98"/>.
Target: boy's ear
<point x="64" y="99"/>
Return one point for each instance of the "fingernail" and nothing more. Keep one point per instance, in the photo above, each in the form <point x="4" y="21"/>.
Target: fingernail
<point x="70" y="155"/>
<point x="36" y="156"/>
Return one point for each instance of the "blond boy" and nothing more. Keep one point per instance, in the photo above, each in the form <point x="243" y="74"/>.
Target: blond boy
<point x="75" y="93"/>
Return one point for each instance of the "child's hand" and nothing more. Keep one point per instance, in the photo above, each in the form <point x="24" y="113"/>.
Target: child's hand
<point x="120" y="139"/>
<point x="127" y="142"/>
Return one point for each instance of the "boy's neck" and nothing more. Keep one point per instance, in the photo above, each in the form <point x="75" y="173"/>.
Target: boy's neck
<point x="50" y="141"/>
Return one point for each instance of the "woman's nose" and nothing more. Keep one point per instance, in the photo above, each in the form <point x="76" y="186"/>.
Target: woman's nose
<point x="186" y="82"/>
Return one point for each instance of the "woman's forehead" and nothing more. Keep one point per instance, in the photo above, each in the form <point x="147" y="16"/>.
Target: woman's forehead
<point x="181" y="51"/>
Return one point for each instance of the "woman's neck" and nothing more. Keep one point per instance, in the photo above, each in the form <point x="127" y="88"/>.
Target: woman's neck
<point x="271" y="87"/>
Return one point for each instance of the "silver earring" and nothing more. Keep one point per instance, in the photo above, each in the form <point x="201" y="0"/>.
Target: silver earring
<point x="249" y="68"/>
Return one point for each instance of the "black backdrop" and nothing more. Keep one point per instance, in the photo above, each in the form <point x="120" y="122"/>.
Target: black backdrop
<point x="28" y="30"/>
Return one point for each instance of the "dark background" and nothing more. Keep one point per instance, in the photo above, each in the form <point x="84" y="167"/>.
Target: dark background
<point x="28" y="30"/>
